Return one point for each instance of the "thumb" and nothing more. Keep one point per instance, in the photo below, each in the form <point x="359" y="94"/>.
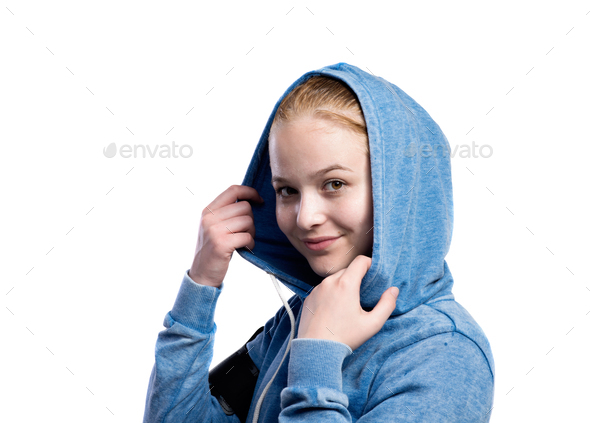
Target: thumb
<point x="386" y="304"/>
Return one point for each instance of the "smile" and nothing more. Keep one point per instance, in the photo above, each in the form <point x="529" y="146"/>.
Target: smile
<point x="316" y="246"/>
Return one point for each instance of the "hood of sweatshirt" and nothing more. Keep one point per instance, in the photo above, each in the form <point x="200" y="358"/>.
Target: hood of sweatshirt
<point x="412" y="199"/>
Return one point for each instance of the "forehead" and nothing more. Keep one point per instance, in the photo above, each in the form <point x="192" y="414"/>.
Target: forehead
<point x="313" y="144"/>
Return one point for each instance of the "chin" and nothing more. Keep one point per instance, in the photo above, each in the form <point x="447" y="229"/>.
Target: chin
<point x="316" y="264"/>
<point x="321" y="269"/>
<point x="321" y="274"/>
<point x="314" y="267"/>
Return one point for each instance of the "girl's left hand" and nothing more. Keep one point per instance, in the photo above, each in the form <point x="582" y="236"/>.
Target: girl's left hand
<point x="333" y="309"/>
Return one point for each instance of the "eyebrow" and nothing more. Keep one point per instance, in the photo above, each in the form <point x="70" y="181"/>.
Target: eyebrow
<point x="316" y="174"/>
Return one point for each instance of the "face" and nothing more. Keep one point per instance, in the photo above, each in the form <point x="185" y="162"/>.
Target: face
<point x="317" y="200"/>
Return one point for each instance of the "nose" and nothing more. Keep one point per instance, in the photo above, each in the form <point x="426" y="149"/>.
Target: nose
<point x="311" y="211"/>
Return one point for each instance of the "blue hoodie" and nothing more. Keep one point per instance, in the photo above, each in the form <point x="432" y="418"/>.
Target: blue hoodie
<point x="430" y="362"/>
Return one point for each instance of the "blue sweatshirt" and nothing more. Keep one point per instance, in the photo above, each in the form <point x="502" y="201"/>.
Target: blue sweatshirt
<point x="430" y="362"/>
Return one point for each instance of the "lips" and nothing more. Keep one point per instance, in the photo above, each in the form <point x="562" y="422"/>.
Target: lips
<point x="319" y="238"/>
<point x="319" y="243"/>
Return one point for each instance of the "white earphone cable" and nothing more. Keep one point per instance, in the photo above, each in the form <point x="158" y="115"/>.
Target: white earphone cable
<point x="292" y="318"/>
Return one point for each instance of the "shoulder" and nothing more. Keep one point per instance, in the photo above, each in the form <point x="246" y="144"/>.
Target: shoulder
<point x="443" y="375"/>
<point x="433" y="360"/>
<point x="465" y="325"/>
<point x="440" y="330"/>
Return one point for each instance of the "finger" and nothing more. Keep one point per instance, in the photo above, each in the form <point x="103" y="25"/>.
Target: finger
<point x="336" y="275"/>
<point x="385" y="306"/>
<point x="233" y="194"/>
<point x="241" y="240"/>
<point x="357" y="269"/>
<point x="238" y="224"/>
<point x="241" y="208"/>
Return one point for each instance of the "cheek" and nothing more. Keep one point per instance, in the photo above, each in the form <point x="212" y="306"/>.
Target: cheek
<point x="360" y="218"/>
<point x="283" y="218"/>
<point x="366" y="207"/>
<point x="358" y="210"/>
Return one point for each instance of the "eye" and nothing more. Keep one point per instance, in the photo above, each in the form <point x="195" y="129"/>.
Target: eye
<point x="279" y="191"/>
<point x="335" y="184"/>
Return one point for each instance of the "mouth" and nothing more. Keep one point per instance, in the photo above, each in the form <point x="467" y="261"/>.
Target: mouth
<point x="320" y="244"/>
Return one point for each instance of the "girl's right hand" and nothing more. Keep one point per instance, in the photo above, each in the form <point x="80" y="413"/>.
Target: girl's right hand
<point x="225" y="226"/>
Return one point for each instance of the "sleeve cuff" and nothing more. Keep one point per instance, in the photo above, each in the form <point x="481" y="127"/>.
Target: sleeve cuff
<point x="317" y="362"/>
<point x="195" y="305"/>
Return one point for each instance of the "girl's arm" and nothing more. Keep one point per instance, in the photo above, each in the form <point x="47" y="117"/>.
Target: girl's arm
<point x="178" y="388"/>
<point x="442" y="378"/>
<point x="314" y="385"/>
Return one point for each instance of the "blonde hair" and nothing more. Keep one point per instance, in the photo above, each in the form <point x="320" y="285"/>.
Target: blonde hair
<point x="323" y="98"/>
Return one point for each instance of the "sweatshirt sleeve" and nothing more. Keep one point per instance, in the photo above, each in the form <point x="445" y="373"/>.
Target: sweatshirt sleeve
<point x="314" y="382"/>
<point x="178" y="389"/>
<point x="442" y="378"/>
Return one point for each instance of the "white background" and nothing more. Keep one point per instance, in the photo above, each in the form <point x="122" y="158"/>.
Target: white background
<point x="82" y="307"/>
